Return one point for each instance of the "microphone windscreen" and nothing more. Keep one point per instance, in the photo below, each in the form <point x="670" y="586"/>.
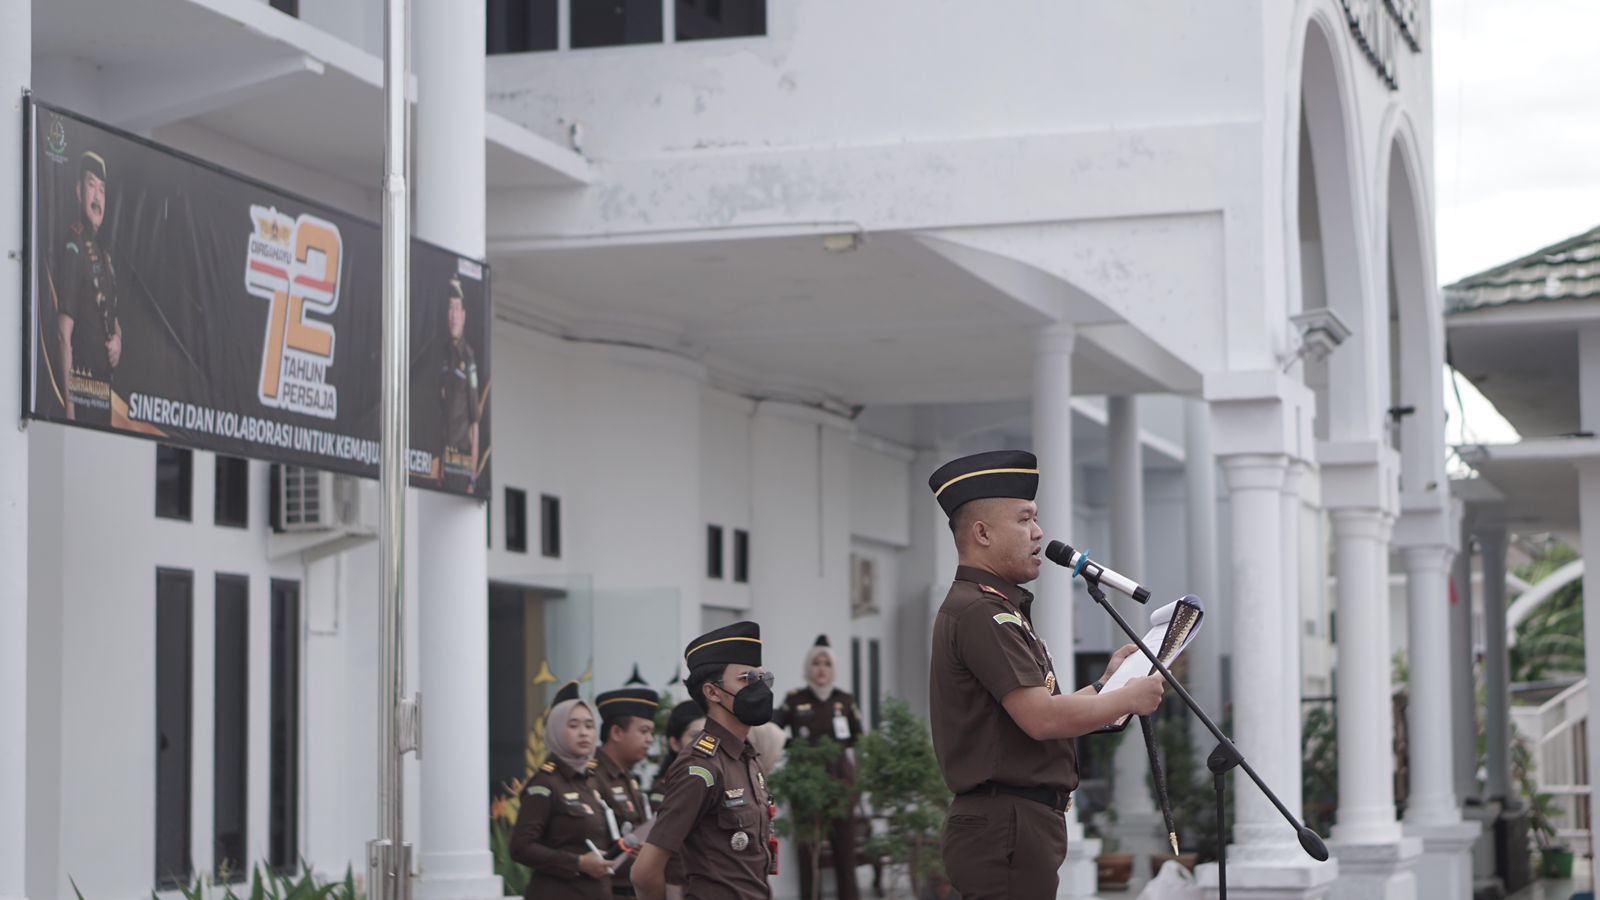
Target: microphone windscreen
<point x="1059" y="553"/>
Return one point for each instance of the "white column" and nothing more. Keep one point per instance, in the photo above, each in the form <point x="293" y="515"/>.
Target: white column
<point x="1255" y="507"/>
<point x="1053" y="594"/>
<point x="1432" y="798"/>
<point x="1589" y="533"/>
<point x="1126" y="474"/>
<point x="1496" y="665"/>
<point x="16" y="35"/>
<point x="1200" y="497"/>
<point x="1463" y="667"/>
<point x="1366" y="732"/>
<point x="1139" y="828"/>
<point x="1289" y="789"/>
<point x="453" y="616"/>
<point x="1589" y="536"/>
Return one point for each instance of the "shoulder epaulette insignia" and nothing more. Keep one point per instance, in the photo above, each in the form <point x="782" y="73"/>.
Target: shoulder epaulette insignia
<point x="703" y="774"/>
<point x="656" y="798"/>
<point x="1003" y="618"/>
<point x="593" y="764"/>
<point x="989" y="590"/>
<point x="548" y="767"/>
<point x="537" y="790"/>
<point x="707" y="744"/>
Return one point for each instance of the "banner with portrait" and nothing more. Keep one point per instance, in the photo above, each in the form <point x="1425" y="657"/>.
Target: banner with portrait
<point x="174" y="300"/>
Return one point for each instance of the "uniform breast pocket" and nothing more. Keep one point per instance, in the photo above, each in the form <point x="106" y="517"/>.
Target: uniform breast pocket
<point x="743" y="826"/>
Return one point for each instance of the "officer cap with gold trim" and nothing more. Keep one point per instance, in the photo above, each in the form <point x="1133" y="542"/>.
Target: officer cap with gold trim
<point x="569" y="691"/>
<point x="996" y="473"/>
<point x="91" y="161"/>
<point x="633" y="701"/>
<point x="739" y="643"/>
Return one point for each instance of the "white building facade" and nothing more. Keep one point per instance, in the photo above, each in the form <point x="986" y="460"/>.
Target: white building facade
<point x="752" y="284"/>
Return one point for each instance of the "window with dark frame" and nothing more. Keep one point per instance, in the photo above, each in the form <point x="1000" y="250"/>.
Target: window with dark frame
<point x="855" y="668"/>
<point x="231" y="714"/>
<point x="174" y="721"/>
<point x="232" y="499"/>
<point x="550" y="526"/>
<point x="488" y="523"/>
<point x="283" y="780"/>
<point x="611" y="23"/>
<point x="516" y="520"/>
<point x="874" y="679"/>
<point x="521" y="26"/>
<point x="698" y="20"/>
<point x="741" y="556"/>
<point x="174" y="483"/>
<point x="713" y="551"/>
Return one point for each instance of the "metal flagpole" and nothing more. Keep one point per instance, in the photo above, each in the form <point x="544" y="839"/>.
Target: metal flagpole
<point x="389" y="857"/>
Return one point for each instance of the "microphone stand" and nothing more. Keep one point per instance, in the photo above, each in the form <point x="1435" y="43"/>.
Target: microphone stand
<point x="1225" y="758"/>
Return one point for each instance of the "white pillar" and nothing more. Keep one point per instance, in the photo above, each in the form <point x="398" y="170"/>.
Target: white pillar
<point x="1139" y="828"/>
<point x="1589" y="532"/>
<point x="1496" y="665"/>
<point x="1200" y="496"/>
<point x="1589" y="536"/>
<point x="1255" y="506"/>
<point x="453" y="617"/>
<point x="1053" y="594"/>
<point x="1431" y="812"/>
<point x="1463" y="669"/>
<point x="1366" y="732"/>
<point x="1432" y="798"/>
<point x="1289" y="789"/>
<point x="16" y="36"/>
<point x="1126" y="474"/>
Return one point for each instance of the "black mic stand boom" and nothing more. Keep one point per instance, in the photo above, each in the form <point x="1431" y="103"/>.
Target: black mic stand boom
<point x="1222" y="760"/>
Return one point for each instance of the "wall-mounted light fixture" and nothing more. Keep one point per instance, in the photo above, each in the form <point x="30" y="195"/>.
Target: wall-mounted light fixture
<point x="1321" y="330"/>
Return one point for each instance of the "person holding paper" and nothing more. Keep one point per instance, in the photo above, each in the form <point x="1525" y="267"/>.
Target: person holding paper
<point x="1002" y="727"/>
<point x="563" y="817"/>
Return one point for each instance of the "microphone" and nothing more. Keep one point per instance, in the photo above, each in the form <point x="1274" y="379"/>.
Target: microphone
<point x="1080" y="564"/>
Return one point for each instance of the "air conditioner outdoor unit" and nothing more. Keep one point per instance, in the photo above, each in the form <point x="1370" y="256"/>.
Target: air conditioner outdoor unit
<point x="305" y="499"/>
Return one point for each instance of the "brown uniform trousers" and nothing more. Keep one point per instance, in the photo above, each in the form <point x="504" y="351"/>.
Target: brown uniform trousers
<point x="1002" y="847"/>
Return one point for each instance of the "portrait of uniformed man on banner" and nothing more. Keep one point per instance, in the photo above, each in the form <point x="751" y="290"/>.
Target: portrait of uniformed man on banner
<point x="89" y="333"/>
<point x="459" y="398"/>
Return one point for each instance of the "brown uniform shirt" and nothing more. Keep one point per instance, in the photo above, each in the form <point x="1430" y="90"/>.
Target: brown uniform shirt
<point x="837" y="719"/>
<point x="984" y="647"/>
<point x="628" y="805"/>
<point x="715" y="814"/>
<point x="560" y="811"/>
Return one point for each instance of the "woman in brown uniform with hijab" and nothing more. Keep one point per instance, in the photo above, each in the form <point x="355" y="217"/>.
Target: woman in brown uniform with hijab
<point x="563" y="817"/>
<point x="821" y="712"/>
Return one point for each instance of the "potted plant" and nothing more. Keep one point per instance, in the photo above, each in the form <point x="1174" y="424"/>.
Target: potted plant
<point x="900" y="774"/>
<point x="812" y="798"/>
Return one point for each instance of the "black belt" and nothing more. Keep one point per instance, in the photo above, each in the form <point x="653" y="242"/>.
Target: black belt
<point x="1059" y="801"/>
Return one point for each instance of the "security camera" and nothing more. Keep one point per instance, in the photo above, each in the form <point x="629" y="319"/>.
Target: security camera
<point x="1321" y="330"/>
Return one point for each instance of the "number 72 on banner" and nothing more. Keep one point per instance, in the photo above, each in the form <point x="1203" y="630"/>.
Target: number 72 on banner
<point x="294" y="265"/>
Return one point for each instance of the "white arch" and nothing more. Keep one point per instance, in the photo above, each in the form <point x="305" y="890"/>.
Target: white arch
<point x="1544" y="590"/>
<point x="1404" y="241"/>
<point x="1325" y="102"/>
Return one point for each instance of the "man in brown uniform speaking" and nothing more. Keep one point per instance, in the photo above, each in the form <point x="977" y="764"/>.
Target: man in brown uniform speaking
<point x="1002" y="729"/>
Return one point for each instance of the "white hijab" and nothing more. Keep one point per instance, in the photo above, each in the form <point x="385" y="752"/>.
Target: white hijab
<point x="823" y="692"/>
<point x="555" y="735"/>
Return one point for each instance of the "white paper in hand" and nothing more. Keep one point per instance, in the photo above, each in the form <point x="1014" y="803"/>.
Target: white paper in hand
<point x="1172" y="628"/>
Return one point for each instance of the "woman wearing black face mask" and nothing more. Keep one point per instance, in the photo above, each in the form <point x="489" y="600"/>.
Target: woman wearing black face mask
<point x="716" y="815"/>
